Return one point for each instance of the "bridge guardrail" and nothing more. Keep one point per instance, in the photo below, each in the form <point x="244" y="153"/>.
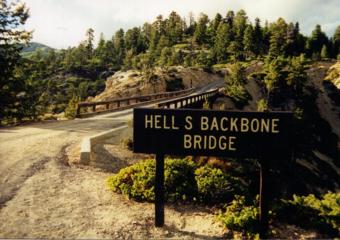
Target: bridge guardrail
<point x="188" y="100"/>
<point x="123" y="103"/>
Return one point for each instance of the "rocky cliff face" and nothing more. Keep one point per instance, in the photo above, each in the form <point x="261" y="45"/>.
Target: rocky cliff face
<point x="134" y="83"/>
<point x="333" y="75"/>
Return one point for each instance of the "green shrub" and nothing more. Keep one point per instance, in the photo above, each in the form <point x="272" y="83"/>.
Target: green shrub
<point x="262" y="105"/>
<point x="183" y="181"/>
<point x="179" y="179"/>
<point x="239" y="217"/>
<point x="238" y="94"/>
<point x="313" y="213"/>
<point x="214" y="185"/>
<point x="71" y="109"/>
<point x="137" y="181"/>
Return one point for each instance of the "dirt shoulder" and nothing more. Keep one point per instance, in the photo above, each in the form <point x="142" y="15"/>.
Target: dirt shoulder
<point x="63" y="201"/>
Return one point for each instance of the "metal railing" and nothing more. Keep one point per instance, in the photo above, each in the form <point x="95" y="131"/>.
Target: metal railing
<point x="188" y="101"/>
<point x="91" y="108"/>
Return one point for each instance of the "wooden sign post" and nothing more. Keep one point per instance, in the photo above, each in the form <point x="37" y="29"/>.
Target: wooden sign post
<point x="264" y="198"/>
<point x="256" y="135"/>
<point x="159" y="191"/>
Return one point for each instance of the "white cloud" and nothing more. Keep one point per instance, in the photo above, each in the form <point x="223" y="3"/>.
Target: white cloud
<point x="62" y="23"/>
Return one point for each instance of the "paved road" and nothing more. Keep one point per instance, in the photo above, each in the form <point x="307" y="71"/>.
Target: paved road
<point x="25" y="149"/>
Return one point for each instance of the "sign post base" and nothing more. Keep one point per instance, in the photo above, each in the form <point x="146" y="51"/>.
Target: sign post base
<point x="264" y="199"/>
<point x="159" y="191"/>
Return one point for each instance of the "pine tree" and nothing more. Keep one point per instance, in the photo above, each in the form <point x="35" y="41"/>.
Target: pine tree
<point x="12" y="17"/>
<point x="230" y="18"/>
<point x="235" y="84"/>
<point x="192" y="25"/>
<point x="222" y="41"/>
<point x="274" y="75"/>
<point x="317" y="40"/>
<point x="119" y="45"/>
<point x="131" y="40"/>
<point x="201" y="35"/>
<point x="278" y="42"/>
<point x="291" y="40"/>
<point x="324" y="52"/>
<point x="213" y="26"/>
<point x="297" y="75"/>
<point x="163" y="42"/>
<point x="249" y="41"/>
<point x="216" y="22"/>
<point x="165" y="57"/>
<point x="174" y="28"/>
<point x="336" y="41"/>
<point x="235" y="50"/>
<point x="100" y="50"/>
<point x="258" y="38"/>
<point x="240" y="25"/>
<point x="89" y="42"/>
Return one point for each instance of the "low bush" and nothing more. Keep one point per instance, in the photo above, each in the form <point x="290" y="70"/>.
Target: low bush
<point x="238" y="94"/>
<point x="137" y="181"/>
<point x="214" y="185"/>
<point x="240" y="217"/>
<point x="312" y="213"/>
<point x="71" y="109"/>
<point x="184" y="181"/>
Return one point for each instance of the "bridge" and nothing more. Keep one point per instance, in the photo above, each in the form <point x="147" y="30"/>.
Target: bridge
<point x="179" y="99"/>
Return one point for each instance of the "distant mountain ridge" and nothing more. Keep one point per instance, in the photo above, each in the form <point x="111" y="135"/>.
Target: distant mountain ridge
<point x="32" y="47"/>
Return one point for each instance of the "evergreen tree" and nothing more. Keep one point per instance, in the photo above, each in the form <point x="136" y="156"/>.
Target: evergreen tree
<point x="216" y="22"/>
<point x="163" y="42"/>
<point x="324" y="52"/>
<point x="100" y="50"/>
<point x="128" y="60"/>
<point x="291" y="40"/>
<point x="317" y="40"/>
<point x="213" y="26"/>
<point x="146" y="33"/>
<point x="274" y="75"/>
<point x="235" y="50"/>
<point x="240" y="25"/>
<point x="119" y="46"/>
<point x="176" y="57"/>
<point x="336" y="41"/>
<point x="230" y="18"/>
<point x="222" y="41"/>
<point x="235" y="84"/>
<point x="249" y="41"/>
<point x="297" y="75"/>
<point x="278" y="43"/>
<point x="300" y="40"/>
<point x="258" y="38"/>
<point x="192" y="25"/>
<point x="201" y="35"/>
<point x="165" y="57"/>
<point x="89" y="42"/>
<point x="12" y="17"/>
<point x="131" y="40"/>
<point x="174" y="28"/>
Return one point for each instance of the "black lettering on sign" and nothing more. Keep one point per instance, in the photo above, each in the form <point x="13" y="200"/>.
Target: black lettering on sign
<point x="212" y="133"/>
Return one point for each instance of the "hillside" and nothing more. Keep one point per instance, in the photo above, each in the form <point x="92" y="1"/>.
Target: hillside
<point x="134" y="83"/>
<point x="333" y="75"/>
<point x="32" y="47"/>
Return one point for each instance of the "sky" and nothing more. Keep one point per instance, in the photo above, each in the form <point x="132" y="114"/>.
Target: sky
<point x="63" y="23"/>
